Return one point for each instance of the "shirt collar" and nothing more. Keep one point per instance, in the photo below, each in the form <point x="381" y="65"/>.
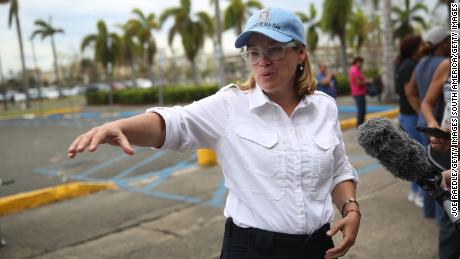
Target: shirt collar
<point x="257" y="98"/>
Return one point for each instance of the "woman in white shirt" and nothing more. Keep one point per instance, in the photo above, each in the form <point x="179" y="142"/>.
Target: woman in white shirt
<point x="278" y="142"/>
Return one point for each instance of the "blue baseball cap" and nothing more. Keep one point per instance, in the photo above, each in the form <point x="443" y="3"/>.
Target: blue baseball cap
<point x="278" y="24"/>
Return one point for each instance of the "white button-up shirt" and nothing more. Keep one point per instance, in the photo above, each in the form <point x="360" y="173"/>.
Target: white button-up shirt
<point x="280" y="170"/>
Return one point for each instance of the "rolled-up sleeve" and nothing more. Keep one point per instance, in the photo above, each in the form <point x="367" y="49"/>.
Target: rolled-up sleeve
<point x="197" y="125"/>
<point x="343" y="170"/>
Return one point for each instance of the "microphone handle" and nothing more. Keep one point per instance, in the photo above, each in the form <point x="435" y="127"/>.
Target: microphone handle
<point x="453" y="215"/>
<point x="442" y="196"/>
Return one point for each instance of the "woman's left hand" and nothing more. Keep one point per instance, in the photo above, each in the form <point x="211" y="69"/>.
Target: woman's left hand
<point x="349" y="226"/>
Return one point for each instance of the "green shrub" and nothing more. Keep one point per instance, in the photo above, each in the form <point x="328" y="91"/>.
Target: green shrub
<point x="172" y="95"/>
<point x="343" y="86"/>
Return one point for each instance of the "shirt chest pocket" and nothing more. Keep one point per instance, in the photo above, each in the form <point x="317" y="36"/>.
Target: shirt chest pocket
<point x="259" y="151"/>
<point x="322" y="166"/>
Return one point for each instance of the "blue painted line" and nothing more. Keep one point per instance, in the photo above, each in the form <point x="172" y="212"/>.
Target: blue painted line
<point x="128" y="114"/>
<point x="89" y="115"/>
<point x="368" y="168"/>
<point x="85" y="178"/>
<point x="370" y="109"/>
<point x="165" y="173"/>
<point x="359" y="158"/>
<point x="175" y="197"/>
<point x="218" y="198"/>
<point x="51" y="172"/>
<point x="55" y="116"/>
<point x="103" y="165"/>
<point x="139" y="165"/>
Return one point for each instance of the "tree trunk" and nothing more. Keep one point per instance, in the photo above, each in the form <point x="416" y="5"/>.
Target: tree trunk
<point x="194" y="72"/>
<point x="343" y="54"/>
<point x="133" y="72"/>
<point x="39" y="77"/>
<point x="2" y="82"/>
<point x="219" y="49"/>
<point x="25" y="78"/>
<point x="389" y="89"/>
<point x="109" y="73"/>
<point x="56" y="67"/>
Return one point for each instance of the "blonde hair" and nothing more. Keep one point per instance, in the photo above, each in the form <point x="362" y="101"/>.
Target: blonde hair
<point x="305" y="81"/>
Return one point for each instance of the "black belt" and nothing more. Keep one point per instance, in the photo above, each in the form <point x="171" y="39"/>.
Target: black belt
<point x="277" y="239"/>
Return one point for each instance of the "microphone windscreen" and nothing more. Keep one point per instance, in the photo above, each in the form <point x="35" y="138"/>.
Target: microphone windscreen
<point x="404" y="157"/>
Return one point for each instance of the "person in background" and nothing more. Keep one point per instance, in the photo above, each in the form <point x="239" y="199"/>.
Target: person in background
<point x="449" y="237"/>
<point x="411" y="49"/>
<point x="438" y="39"/>
<point x="326" y="81"/>
<point x="358" y="85"/>
<point x="278" y="142"/>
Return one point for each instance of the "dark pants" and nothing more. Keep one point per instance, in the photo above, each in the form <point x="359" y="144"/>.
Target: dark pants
<point x="252" y="243"/>
<point x="360" y="101"/>
<point x="448" y="239"/>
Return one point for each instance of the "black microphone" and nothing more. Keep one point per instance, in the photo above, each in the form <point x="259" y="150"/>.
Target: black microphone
<point x="405" y="158"/>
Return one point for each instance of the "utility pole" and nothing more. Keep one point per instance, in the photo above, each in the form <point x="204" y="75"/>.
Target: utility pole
<point x="219" y="49"/>
<point x="2" y="82"/>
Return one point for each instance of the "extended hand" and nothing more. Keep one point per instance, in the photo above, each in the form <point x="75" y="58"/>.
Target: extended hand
<point x="108" y="133"/>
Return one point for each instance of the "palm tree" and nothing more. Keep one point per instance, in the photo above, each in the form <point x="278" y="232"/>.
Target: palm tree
<point x="14" y="14"/>
<point x="192" y="31"/>
<point x="335" y="17"/>
<point x="142" y="28"/>
<point x="312" y="27"/>
<point x="130" y="49"/>
<point x="107" y="50"/>
<point x="358" y="29"/>
<point x="406" y="17"/>
<point x="47" y="30"/>
<point x="237" y="12"/>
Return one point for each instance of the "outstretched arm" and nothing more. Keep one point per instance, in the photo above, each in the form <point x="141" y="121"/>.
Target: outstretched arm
<point x="146" y="130"/>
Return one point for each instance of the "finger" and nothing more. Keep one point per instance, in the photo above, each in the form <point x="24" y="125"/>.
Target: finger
<point x="335" y="228"/>
<point x="339" y="250"/>
<point x="98" y="138"/>
<point x="124" y="143"/>
<point x="72" y="149"/>
<point x="85" y="140"/>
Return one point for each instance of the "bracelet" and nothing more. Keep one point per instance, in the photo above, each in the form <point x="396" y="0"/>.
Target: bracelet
<point x="351" y="200"/>
<point x="348" y="211"/>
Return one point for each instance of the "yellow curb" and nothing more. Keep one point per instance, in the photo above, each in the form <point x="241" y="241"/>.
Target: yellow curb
<point x="351" y="123"/>
<point x="60" y="110"/>
<point x="27" y="200"/>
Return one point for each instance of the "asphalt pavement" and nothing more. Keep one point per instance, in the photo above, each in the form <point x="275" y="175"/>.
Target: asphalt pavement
<point x="165" y="205"/>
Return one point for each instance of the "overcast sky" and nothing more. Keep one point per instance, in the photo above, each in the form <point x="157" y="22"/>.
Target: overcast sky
<point x="78" y="18"/>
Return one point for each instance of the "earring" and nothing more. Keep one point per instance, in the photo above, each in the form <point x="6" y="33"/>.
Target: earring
<point x="300" y="67"/>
